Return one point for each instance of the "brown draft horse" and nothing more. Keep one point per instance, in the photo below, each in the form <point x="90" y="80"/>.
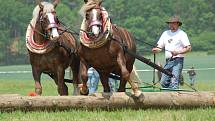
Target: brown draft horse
<point x="102" y="47"/>
<point x="51" y="49"/>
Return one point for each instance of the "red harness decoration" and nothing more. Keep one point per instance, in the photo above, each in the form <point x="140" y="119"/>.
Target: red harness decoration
<point x="35" y="45"/>
<point x="106" y="26"/>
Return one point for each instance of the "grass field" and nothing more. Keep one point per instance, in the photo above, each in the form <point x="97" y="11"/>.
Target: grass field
<point x="22" y="83"/>
<point x="120" y="115"/>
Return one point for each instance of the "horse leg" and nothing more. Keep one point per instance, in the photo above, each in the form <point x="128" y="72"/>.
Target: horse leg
<point x="124" y="72"/>
<point x="126" y="76"/>
<point x="76" y="79"/>
<point x="122" y="85"/>
<point x="62" y="88"/>
<point x="37" y="77"/>
<point x="104" y="81"/>
<point x="84" y="77"/>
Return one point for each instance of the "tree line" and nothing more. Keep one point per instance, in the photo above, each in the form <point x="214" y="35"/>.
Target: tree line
<point x="145" y="19"/>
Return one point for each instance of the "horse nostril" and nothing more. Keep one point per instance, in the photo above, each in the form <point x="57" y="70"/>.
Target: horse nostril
<point x="54" y="38"/>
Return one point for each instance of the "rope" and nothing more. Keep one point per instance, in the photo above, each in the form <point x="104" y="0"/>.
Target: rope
<point x="154" y="70"/>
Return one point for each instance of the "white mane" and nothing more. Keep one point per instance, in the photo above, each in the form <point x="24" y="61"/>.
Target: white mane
<point x="47" y="8"/>
<point x="30" y="44"/>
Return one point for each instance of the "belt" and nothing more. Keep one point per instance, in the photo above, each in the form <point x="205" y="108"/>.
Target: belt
<point x="172" y="59"/>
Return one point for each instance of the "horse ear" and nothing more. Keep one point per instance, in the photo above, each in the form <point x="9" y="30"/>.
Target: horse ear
<point x="39" y="3"/>
<point x="100" y="2"/>
<point x="85" y="1"/>
<point x="56" y="2"/>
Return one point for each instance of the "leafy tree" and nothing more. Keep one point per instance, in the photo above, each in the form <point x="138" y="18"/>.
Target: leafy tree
<point x="143" y="18"/>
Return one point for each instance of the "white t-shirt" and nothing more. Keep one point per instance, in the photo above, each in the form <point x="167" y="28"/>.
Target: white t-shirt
<point x="173" y="41"/>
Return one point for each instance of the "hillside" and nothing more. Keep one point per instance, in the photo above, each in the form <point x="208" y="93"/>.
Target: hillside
<point x="145" y="19"/>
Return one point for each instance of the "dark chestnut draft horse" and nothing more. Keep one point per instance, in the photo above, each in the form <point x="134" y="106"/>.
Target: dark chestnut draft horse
<point x="102" y="47"/>
<point x="51" y="49"/>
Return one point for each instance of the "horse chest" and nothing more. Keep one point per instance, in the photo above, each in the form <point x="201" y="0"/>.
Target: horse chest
<point x="46" y="61"/>
<point x="101" y="57"/>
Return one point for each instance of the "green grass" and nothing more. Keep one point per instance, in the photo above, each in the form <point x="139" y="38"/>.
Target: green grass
<point x="24" y="87"/>
<point x="23" y="84"/>
<point x="119" y="115"/>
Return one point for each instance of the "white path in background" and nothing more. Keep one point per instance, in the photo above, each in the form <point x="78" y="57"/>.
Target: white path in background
<point x="17" y="72"/>
<point x="14" y="72"/>
<point x="197" y="69"/>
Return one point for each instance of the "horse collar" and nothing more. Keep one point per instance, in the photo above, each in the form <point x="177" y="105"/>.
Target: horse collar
<point x="107" y="30"/>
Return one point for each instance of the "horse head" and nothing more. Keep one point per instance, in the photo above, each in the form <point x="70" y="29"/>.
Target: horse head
<point x="95" y="21"/>
<point x="96" y="26"/>
<point x="93" y="15"/>
<point x="47" y="19"/>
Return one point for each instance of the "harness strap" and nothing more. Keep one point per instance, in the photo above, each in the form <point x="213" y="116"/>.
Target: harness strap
<point x="52" y="25"/>
<point x="119" y="40"/>
<point x="68" y="49"/>
<point x="38" y="32"/>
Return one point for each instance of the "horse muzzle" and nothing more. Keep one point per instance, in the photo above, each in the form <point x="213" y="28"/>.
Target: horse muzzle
<point x="53" y="30"/>
<point x="96" y="28"/>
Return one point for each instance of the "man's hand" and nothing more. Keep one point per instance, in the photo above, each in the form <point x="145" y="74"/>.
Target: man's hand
<point x="174" y="53"/>
<point x="156" y="49"/>
<point x="184" y="50"/>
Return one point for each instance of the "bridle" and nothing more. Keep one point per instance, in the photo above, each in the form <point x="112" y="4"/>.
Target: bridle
<point x="100" y="35"/>
<point x="46" y="31"/>
<point x="98" y="22"/>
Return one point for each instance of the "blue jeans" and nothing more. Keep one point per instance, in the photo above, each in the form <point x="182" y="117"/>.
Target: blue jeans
<point x="113" y="85"/>
<point x="93" y="83"/>
<point x="175" y="66"/>
<point x="93" y="80"/>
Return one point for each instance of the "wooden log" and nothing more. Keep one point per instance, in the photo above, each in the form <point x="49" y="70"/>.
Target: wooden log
<point x="109" y="101"/>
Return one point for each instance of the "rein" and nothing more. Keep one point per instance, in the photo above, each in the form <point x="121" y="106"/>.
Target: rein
<point x="60" y="43"/>
<point x="45" y="36"/>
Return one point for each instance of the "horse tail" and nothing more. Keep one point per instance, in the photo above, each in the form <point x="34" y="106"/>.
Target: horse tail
<point x="135" y="82"/>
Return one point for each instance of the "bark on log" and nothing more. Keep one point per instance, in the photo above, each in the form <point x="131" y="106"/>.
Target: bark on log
<point x="109" y="101"/>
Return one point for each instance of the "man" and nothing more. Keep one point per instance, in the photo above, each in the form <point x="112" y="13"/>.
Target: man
<point x="192" y="76"/>
<point x="176" y="44"/>
<point x="93" y="81"/>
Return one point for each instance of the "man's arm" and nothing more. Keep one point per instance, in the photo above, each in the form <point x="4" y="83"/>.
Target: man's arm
<point x="183" y="51"/>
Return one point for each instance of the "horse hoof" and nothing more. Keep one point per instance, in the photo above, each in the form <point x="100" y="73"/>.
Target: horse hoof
<point x="82" y="92"/>
<point x="38" y="91"/>
<point x="139" y="96"/>
<point x="137" y="93"/>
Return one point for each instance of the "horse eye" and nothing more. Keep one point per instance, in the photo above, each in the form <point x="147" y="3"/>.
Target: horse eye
<point x="41" y="18"/>
<point x="87" y="16"/>
<point x="56" y="19"/>
<point x="54" y="12"/>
